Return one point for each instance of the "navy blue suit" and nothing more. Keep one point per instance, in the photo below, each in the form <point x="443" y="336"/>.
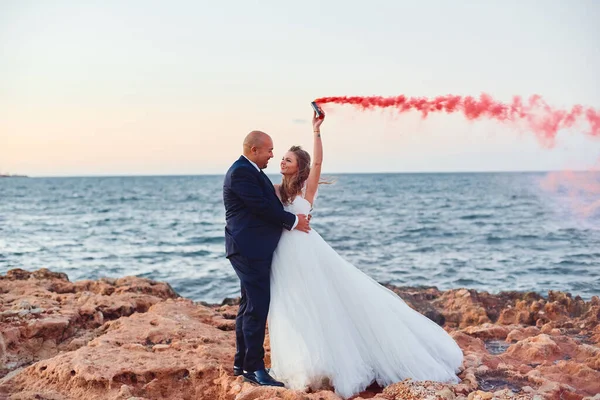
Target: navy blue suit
<point x="255" y="218"/>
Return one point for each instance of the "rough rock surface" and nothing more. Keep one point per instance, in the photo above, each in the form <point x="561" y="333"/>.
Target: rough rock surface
<point x="136" y="339"/>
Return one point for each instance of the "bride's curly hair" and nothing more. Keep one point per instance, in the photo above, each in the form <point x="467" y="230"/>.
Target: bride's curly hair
<point x="290" y="187"/>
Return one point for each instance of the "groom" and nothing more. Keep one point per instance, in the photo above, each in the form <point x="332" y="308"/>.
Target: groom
<point x="255" y="218"/>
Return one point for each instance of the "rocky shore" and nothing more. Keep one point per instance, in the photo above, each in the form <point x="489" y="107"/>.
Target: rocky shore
<point x="135" y="339"/>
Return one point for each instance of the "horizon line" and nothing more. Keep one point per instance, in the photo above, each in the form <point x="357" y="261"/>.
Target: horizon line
<point x="323" y="174"/>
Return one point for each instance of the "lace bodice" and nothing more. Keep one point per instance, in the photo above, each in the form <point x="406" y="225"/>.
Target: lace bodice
<point x="299" y="206"/>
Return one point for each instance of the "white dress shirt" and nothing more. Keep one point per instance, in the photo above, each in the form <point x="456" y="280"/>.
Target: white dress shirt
<point x="258" y="169"/>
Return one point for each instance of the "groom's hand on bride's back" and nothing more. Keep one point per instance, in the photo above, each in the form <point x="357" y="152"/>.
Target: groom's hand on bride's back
<point x="303" y="223"/>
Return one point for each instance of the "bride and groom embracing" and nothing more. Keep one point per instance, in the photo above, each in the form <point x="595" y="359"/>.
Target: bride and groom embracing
<point x="328" y="321"/>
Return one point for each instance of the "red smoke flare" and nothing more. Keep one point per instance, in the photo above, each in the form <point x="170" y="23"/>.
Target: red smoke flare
<point x="544" y="120"/>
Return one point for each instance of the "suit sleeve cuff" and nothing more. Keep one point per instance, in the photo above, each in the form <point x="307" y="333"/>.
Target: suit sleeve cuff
<point x="295" y="223"/>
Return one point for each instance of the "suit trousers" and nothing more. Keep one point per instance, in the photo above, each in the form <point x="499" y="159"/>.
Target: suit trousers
<point x="251" y="320"/>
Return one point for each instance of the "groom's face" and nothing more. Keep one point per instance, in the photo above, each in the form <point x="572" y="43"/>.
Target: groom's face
<point x="263" y="153"/>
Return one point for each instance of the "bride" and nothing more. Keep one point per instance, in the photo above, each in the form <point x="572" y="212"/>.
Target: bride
<point x="329" y="323"/>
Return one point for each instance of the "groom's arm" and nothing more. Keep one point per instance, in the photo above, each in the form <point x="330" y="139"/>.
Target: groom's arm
<point x="246" y="186"/>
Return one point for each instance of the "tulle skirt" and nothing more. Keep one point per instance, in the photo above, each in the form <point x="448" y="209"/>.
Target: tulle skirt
<point x="329" y="323"/>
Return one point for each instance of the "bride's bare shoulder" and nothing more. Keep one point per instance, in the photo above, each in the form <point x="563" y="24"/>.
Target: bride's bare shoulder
<point x="277" y="186"/>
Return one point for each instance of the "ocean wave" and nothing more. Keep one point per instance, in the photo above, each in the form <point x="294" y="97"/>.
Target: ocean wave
<point x="482" y="231"/>
<point x="476" y="216"/>
<point x="204" y="240"/>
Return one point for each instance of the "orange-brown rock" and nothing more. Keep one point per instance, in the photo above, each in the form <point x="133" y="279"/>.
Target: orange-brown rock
<point x="537" y="349"/>
<point x="487" y="331"/>
<point x="519" y="334"/>
<point x="42" y="313"/>
<point x="135" y="339"/>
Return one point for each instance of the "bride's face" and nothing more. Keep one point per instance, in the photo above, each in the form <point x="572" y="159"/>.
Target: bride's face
<point x="289" y="164"/>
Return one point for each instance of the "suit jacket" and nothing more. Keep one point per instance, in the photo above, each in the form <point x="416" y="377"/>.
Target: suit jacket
<point x="254" y="215"/>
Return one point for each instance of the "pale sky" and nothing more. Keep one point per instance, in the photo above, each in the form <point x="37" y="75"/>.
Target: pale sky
<point x="172" y="87"/>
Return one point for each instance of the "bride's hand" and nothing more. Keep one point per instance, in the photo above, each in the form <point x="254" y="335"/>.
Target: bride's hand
<point x="316" y="121"/>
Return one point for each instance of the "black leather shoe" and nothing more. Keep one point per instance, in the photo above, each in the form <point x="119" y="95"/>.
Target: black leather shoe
<point x="237" y="371"/>
<point x="262" y="377"/>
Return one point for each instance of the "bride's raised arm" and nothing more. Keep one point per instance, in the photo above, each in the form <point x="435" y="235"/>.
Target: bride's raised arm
<point x="312" y="182"/>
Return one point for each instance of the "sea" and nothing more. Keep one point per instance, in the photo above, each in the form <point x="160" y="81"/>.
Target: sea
<point x="485" y="231"/>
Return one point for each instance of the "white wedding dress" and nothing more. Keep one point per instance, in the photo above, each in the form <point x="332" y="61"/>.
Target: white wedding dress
<point x="330" y="323"/>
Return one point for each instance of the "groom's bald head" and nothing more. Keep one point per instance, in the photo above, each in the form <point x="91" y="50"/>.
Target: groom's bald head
<point x="258" y="147"/>
<point x="254" y="139"/>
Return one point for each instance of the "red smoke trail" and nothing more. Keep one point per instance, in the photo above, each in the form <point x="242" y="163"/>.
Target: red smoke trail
<point x="581" y="189"/>
<point x="544" y="120"/>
